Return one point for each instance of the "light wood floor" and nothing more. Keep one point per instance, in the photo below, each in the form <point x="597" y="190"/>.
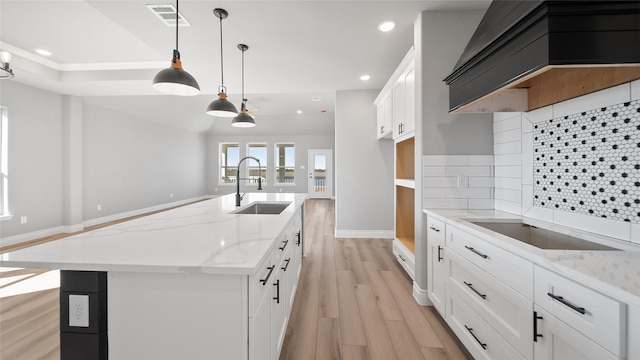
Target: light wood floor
<point x="353" y="302"/>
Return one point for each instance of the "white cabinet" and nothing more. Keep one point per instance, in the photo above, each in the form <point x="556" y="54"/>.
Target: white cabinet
<point x="437" y="268"/>
<point x="385" y="118"/>
<point x="593" y="320"/>
<point x="405" y="257"/>
<point x="396" y="102"/>
<point x="555" y="340"/>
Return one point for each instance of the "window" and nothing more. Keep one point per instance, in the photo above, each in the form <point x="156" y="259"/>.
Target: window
<point x="4" y="166"/>
<point x="229" y="157"/>
<point x="285" y="155"/>
<point x="258" y="151"/>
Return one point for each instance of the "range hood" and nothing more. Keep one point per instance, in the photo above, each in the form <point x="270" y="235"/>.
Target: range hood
<point x="528" y="54"/>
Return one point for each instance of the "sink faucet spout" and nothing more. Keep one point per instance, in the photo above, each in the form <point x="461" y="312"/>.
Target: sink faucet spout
<point x="238" y="178"/>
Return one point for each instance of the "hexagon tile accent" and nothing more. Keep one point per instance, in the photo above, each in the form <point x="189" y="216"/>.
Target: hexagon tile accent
<point x="589" y="162"/>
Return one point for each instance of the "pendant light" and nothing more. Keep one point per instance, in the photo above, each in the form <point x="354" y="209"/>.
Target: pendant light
<point x="221" y="107"/>
<point x="174" y="80"/>
<point x="5" y="66"/>
<point x="243" y="119"/>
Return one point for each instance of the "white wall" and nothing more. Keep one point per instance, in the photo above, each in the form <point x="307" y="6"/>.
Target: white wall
<point x="364" y="169"/>
<point x="302" y="142"/>
<point x="126" y="164"/>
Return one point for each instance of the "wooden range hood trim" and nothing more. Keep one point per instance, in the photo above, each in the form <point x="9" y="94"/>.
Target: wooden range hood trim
<point x="550" y="85"/>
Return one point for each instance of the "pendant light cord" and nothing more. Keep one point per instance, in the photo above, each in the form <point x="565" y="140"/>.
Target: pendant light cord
<point x="243" y="104"/>
<point x="177" y="17"/>
<point x="221" y="54"/>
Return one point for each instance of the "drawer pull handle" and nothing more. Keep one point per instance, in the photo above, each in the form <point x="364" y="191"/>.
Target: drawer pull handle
<point x="535" y="326"/>
<point x="470" y="330"/>
<point x="477" y="252"/>
<point x="286" y="265"/>
<point x="440" y="253"/>
<point x="298" y="234"/>
<point x="277" y="285"/>
<point x="264" y="281"/>
<point x="284" y="245"/>
<point x="434" y="228"/>
<point x="474" y="290"/>
<point x="560" y="299"/>
<point x="401" y="257"/>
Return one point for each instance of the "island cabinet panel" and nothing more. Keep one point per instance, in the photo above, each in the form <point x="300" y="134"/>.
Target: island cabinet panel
<point x="177" y="316"/>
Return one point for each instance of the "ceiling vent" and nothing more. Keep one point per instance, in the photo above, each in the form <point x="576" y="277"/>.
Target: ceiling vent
<point x="167" y="14"/>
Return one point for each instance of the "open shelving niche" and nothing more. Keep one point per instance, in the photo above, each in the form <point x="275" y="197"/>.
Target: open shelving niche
<point x="404" y="193"/>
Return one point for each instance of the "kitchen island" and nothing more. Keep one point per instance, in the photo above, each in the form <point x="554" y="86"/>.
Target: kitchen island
<point x="195" y="282"/>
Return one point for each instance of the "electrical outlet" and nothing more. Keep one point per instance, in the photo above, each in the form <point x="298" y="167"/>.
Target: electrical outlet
<point x="79" y="310"/>
<point x="99" y="207"/>
<point x="23" y="220"/>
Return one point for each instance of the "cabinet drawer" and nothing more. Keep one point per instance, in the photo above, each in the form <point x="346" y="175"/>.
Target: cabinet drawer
<point x="502" y="307"/>
<point x="405" y="257"/>
<point x="505" y="266"/>
<point x="482" y="341"/>
<point x="593" y="314"/>
<point x="435" y="229"/>
<point x="260" y="282"/>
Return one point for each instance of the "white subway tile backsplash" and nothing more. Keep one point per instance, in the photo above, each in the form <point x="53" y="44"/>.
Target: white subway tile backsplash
<point x="479" y="193"/>
<point x="440" y="160"/>
<point x="508" y="171"/>
<point x="434" y="171"/>
<point x="501" y="116"/>
<point x="481" y="182"/>
<point x="507" y="136"/>
<point x="507" y="206"/>
<point x="477" y="204"/>
<point x="613" y="95"/>
<point x="468" y="171"/>
<point x="480" y="160"/>
<point x="456" y="193"/>
<point x="508" y="183"/>
<point x="527" y="158"/>
<point x="434" y="193"/>
<point x="508" y="159"/>
<point x="507" y="124"/>
<point x="527" y="197"/>
<point x="538" y="213"/>
<point x="635" y="90"/>
<point x="440" y="181"/>
<point x="445" y="203"/>
<point x="512" y="195"/>
<point x="513" y="147"/>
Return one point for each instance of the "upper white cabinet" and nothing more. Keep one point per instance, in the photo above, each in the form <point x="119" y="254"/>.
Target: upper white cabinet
<point x="396" y="102"/>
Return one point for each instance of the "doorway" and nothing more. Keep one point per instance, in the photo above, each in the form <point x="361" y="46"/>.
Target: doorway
<point x="320" y="173"/>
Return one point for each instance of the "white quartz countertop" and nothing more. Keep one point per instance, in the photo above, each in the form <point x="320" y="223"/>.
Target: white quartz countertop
<point x="203" y="237"/>
<point x="616" y="273"/>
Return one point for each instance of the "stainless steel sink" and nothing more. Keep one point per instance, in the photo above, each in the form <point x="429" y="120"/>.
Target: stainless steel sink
<point x="264" y="207"/>
<point x="540" y="238"/>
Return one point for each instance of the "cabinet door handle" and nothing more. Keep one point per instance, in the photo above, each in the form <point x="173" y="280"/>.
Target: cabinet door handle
<point x="470" y="330"/>
<point x="439" y="253"/>
<point x="477" y="252"/>
<point x="284" y="245"/>
<point x="277" y="285"/>
<point x="535" y="326"/>
<point x="299" y="235"/>
<point x="434" y="228"/>
<point x="264" y="281"/>
<point x="381" y="129"/>
<point x="286" y="265"/>
<point x="470" y="286"/>
<point x="560" y="299"/>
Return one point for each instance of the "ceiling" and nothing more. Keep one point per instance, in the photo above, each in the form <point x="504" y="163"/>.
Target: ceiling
<point x="109" y="51"/>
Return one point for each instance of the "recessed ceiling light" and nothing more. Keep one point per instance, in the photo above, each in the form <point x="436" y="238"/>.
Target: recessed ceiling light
<point x="365" y="77"/>
<point x="43" y="52"/>
<point x="386" y="26"/>
<point x="299" y="111"/>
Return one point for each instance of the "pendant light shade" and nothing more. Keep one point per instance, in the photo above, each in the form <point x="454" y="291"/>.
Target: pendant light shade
<point x="174" y="80"/>
<point x="221" y="106"/>
<point x="243" y="119"/>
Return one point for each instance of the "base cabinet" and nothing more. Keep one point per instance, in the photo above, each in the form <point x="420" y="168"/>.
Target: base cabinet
<point x="437" y="274"/>
<point x="555" y="340"/>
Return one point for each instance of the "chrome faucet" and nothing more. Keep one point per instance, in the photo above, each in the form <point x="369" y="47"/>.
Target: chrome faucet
<point x="238" y="178"/>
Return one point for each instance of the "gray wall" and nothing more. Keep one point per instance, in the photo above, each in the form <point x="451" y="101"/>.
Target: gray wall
<point x="364" y="168"/>
<point x="126" y="163"/>
<point x="302" y="142"/>
<point x="131" y="163"/>
<point x="35" y="158"/>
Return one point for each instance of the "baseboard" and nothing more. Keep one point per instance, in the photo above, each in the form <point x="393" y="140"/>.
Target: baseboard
<point x="421" y="296"/>
<point x="20" y="238"/>
<point x="364" y="234"/>
<point x="124" y="215"/>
